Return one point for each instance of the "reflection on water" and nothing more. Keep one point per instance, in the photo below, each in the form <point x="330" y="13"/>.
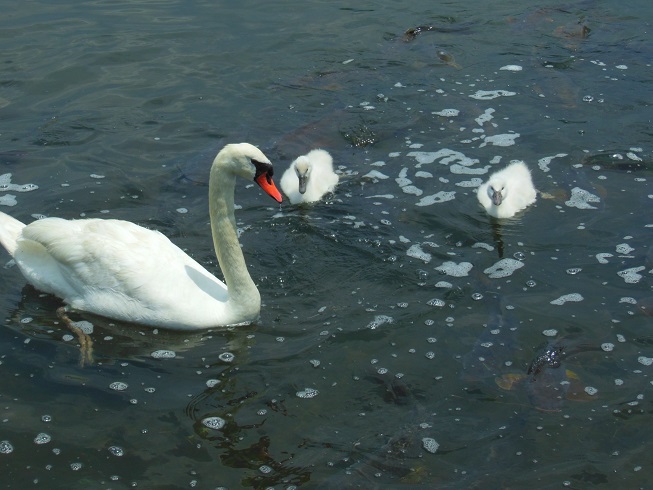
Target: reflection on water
<point x="398" y="319"/>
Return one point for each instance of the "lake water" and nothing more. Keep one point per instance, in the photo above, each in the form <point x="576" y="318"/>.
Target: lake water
<point x="389" y="350"/>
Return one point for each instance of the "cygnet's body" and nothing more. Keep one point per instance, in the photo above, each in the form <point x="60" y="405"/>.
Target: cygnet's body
<point x="309" y="177"/>
<point x="507" y="191"/>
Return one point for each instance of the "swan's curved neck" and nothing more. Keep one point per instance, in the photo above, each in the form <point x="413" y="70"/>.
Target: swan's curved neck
<point x="244" y="298"/>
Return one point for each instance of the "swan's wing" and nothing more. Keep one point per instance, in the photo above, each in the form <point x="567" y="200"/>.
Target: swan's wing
<point x="92" y="260"/>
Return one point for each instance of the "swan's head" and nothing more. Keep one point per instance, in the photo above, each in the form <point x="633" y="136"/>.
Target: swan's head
<point x="249" y="162"/>
<point x="303" y="171"/>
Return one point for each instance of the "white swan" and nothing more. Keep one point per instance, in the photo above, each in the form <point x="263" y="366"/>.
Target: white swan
<point x="309" y="177"/>
<point x="507" y="191"/>
<point x="122" y="271"/>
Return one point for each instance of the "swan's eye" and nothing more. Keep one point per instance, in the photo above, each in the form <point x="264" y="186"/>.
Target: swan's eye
<point x="263" y="168"/>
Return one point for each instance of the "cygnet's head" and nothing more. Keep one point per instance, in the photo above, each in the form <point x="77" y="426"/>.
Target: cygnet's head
<point x="497" y="190"/>
<point x="303" y="171"/>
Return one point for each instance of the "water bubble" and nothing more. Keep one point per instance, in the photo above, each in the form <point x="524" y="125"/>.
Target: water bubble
<point x="402" y="305"/>
<point x="163" y="354"/>
<point x="46" y="418"/>
<point x="646" y="361"/>
<point x="42" y="438"/>
<point x="314" y="362"/>
<point x="519" y="255"/>
<point x="214" y="422"/>
<point x="477" y="296"/>
<point x="116" y="451"/>
<point x="607" y="346"/>
<point x="531" y="284"/>
<point x="429" y="322"/>
<point x="308" y="393"/>
<point x="265" y="469"/>
<point x="212" y="382"/>
<point x="588" y="98"/>
<point x="431" y="340"/>
<point x="382" y="370"/>
<point x="379" y="320"/>
<point x="455" y="270"/>
<point x="551" y="332"/>
<point x="430" y="355"/>
<point x="590" y="390"/>
<point x="150" y="389"/>
<point x="430" y="445"/>
<point x="6" y="447"/>
<point x="76" y="466"/>
<point x="262" y="411"/>
<point x="27" y="319"/>
<point x="118" y="386"/>
<point x="436" y="302"/>
<point x="226" y="357"/>
<point x="573" y="271"/>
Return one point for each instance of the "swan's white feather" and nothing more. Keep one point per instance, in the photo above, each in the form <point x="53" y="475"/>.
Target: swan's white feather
<point x="318" y="166"/>
<point x="515" y="184"/>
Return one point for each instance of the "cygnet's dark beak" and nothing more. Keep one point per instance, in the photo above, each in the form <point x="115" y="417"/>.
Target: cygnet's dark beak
<point x="497" y="198"/>
<point x="303" y="179"/>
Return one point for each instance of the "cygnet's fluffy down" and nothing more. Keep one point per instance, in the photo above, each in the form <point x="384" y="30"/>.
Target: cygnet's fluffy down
<point x="309" y="177"/>
<point x="507" y="191"/>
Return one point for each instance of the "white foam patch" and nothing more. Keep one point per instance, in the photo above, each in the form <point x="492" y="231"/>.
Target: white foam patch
<point x="573" y="297"/>
<point x="6" y="185"/>
<point x="375" y="175"/>
<point x="485" y="117"/>
<point x="603" y="257"/>
<point x="8" y="200"/>
<point x="447" y="113"/>
<point x="416" y="252"/>
<point x="544" y="163"/>
<point x="445" y="155"/>
<point x="411" y="189"/>
<point x="470" y="183"/>
<point x="455" y="270"/>
<point x="462" y="170"/>
<point x="511" y="68"/>
<point x="624" y="249"/>
<point x="503" y="268"/>
<point x="442" y="196"/>
<point x="424" y="175"/>
<point x="491" y="94"/>
<point x="631" y="276"/>
<point x="486" y="246"/>
<point x="581" y="199"/>
<point x="507" y="139"/>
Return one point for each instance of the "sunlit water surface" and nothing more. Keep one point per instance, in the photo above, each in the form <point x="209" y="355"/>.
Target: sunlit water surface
<point x="399" y="320"/>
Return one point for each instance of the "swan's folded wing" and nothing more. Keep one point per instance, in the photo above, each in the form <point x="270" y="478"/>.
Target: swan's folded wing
<point x="117" y="257"/>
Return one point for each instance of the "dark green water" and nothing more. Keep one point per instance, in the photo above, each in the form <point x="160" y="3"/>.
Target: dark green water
<point x="116" y="109"/>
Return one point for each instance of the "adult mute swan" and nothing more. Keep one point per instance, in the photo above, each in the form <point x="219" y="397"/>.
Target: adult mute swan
<point x="507" y="191"/>
<point x="120" y="270"/>
<point x="309" y="177"/>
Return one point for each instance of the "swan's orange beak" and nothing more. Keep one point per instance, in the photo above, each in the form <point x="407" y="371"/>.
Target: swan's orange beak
<point x="267" y="184"/>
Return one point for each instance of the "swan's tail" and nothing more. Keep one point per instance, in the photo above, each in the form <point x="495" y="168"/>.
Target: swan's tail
<point x="10" y="230"/>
